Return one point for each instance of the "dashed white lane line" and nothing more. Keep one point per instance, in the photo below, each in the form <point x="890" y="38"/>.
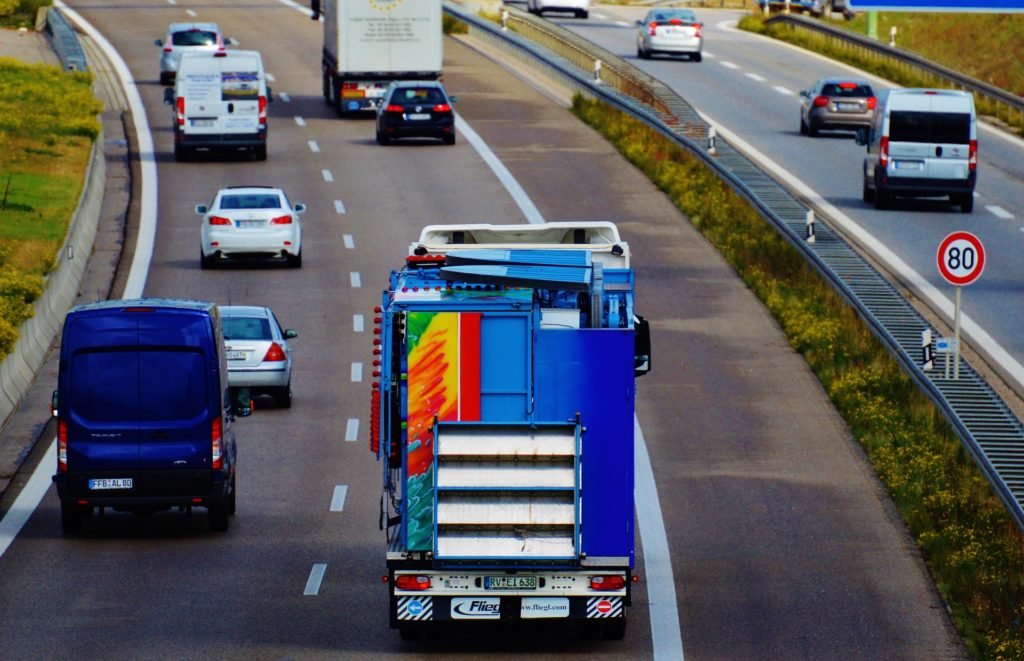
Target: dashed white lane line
<point x="338" y="500"/>
<point x="314" y="147"/>
<point x="300" y="121"/>
<point x="352" y="430"/>
<point x="355" y="279"/>
<point x="172" y="2"/>
<point x="357" y="372"/>
<point x="316" y="576"/>
<point x="999" y="212"/>
<point x="349" y="241"/>
<point x="270" y="77"/>
<point x="622" y="24"/>
<point x="191" y="13"/>
<point x="754" y="76"/>
<point x="339" y="206"/>
<point x="729" y="65"/>
<point x="327" y="175"/>
<point x="284" y="97"/>
<point x="358" y="323"/>
<point x="709" y="55"/>
<point x="785" y="91"/>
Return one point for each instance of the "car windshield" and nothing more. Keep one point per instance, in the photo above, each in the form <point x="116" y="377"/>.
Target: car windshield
<point x="665" y="16"/>
<point x="850" y="90"/>
<point x="194" y="38"/>
<point x="251" y="201"/>
<point x="417" y="95"/>
<point x="246" y="328"/>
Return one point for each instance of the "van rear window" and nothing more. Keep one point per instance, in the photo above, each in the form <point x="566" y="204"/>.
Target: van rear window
<point x="931" y="127"/>
<point x="152" y="385"/>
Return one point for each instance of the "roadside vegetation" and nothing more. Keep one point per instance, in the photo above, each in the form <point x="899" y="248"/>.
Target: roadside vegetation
<point x="48" y="123"/>
<point x="971" y="545"/>
<point x="20" y="13"/>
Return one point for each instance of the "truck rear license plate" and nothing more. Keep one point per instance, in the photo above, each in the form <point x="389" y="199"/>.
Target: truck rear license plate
<point x="110" y="483"/>
<point x="510" y="583"/>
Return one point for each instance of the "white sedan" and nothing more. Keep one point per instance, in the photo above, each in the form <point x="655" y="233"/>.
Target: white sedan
<point x="251" y="222"/>
<point x="670" y="31"/>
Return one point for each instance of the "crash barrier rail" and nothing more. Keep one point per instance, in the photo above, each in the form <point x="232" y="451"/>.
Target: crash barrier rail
<point x="1003" y="105"/>
<point x="985" y="424"/>
<point x="64" y="41"/>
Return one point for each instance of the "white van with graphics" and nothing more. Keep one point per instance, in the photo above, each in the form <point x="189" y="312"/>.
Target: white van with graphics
<point x="922" y="143"/>
<point x="220" y="103"/>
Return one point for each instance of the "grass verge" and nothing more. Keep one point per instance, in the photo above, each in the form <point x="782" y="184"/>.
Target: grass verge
<point x="48" y="122"/>
<point x="971" y="545"/>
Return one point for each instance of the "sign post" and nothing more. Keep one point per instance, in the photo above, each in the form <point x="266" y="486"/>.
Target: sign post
<point x="961" y="259"/>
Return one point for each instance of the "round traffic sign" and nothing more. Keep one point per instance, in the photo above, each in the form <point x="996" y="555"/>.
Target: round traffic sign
<point x="961" y="258"/>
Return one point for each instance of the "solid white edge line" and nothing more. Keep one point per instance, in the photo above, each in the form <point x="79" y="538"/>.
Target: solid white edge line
<point x="976" y="335"/>
<point x="338" y="499"/>
<point x="29" y="498"/>
<point x="666" y="638"/>
<point x="316" y="576"/>
<point x="357" y="372"/>
<point x="352" y="430"/>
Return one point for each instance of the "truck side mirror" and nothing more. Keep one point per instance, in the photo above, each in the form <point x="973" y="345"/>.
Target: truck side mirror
<point x="862" y="136"/>
<point x="53" y="404"/>
<point x="169" y="96"/>
<point x="641" y="346"/>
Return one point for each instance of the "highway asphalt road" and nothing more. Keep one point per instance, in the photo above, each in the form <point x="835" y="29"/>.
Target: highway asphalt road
<point x="782" y="542"/>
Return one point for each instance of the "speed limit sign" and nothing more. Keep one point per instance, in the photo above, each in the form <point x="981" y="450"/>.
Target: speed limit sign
<point x="961" y="258"/>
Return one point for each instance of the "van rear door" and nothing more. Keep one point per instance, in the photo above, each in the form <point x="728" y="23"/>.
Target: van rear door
<point x="929" y="145"/>
<point x="240" y="96"/>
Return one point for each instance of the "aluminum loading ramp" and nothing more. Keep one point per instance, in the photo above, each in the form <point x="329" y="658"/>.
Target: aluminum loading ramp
<point x="507" y="492"/>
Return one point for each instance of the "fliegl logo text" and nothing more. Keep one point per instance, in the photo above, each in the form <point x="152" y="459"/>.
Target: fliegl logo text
<point x="476" y="609"/>
<point x="385" y="5"/>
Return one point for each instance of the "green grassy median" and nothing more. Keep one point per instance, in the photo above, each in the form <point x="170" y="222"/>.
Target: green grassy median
<point x="969" y="542"/>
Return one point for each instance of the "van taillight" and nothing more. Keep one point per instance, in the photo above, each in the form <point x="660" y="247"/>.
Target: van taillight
<point x="168" y="49"/>
<point x="62" y="446"/>
<point x="216" y="444"/>
<point x="972" y="155"/>
<point x="263" y="109"/>
<point x="181" y="111"/>
<point x="697" y="29"/>
<point x="872" y="102"/>
<point x="274" y="353"/>
<point x="883" y="152"/>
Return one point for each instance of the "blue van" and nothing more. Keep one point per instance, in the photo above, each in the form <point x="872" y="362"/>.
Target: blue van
<point x="143" y="413"/>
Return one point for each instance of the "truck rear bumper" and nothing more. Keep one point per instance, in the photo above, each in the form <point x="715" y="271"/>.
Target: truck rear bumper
<point x="490" y="608"/>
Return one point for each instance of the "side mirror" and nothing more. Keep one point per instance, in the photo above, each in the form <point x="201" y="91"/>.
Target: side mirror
<point x="290" y="333"/>
<point x="201" y="209"/>
<point x="53" y="404"/>
<point x="862" y="136"/>
<point x="158" y="42"/>
<point x="299" y="207"/>
<point x="228" y="41"/>
<point x="802" y="92"/>
<point x="314" y="6"/>
<point x="639" y="22"/>
<point x="169" y="96"/>
<point x="452" y="99"/>
<point x="641" y="346"/>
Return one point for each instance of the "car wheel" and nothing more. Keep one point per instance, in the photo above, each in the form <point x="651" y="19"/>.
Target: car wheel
<point x="294" y="261"/>
<point x="204" y="261"/>
<point x="260" y="153"/>
<point x="218" y="516"/>
<point x="803" y="126"/>
<point x="165" y="78"/>
<point x="283" y="397"/>
<point x="881" y="199"/>
<point x="71" y="518"/>
<point x="645" y="54"/>
<point x="181" y="153"/>
<point x="867" y="193"/>
<point x="232" y="500"/>
<point x="449" y="139"/>
<point x="967" y="202"/>
<point x="583" y="13"/>
<point x="812" y="129"/>
<point x="697" y="57"/>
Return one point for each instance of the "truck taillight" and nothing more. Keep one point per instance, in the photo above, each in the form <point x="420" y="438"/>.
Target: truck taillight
<point x="972" y="155"/>
<point x="274" y="353"/>
<point x="607" y="583"/>
<point x="263" y="109"/>
<point x="411" y="582"/>
<point x="181" y="110"/>
<point x="216" y="444"/>
<point x="820" y="101"/>
<point x="62" y="446"/>
<point x="883" y="152"/>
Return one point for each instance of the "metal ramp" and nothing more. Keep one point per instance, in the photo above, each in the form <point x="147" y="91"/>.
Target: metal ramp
<point x="506" y="492"/>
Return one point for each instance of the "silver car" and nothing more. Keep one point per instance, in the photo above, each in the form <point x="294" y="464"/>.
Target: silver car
<point x="670" y="31"/>
<point x="259" y="355"/>
<point x="834" y="103"/>
<point x="185" y="37"/>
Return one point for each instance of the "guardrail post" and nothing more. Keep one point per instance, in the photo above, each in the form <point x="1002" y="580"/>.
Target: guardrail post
<point x="810" y="226"/>
<point x="597" y="71"/>
<point x="504" y="19"/>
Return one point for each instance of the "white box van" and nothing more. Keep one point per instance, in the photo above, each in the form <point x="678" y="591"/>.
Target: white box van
<point x="220" y="103"/>
<point x="922" y="143"/>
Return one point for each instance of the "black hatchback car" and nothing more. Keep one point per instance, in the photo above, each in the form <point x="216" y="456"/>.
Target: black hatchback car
<point x="415" y="109"/>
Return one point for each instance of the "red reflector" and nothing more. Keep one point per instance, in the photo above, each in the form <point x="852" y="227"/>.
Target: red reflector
<point x="409" y="582"/>
<point x="820" y="101"/>
<point x="614" y="582"/>
<point x="220" y="54"/>
<point x="442" y="107"/>
<point x="83" y="502"/>
<point x="393" y="108"/>
<point x="848" y="86"/>
<point x="167" y="49"/>
<point x="349" y="86"/>
<point x="219" y="220"/>
<point x="274" y="353"/>
<point x="972" y="155"/>
<point x="675" y="21"/>
<point x="281" y="220"/>
<point x="872" y="102"/>
<point x="197" y="500"/>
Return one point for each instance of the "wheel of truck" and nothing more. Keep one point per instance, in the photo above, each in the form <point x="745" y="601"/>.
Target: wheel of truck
<point x="71" y="518"/>
<point x="181" y="154"/>
<point x="614" y="629"/>
<point x="410" y="633"/>
<point x="218" y="513"/>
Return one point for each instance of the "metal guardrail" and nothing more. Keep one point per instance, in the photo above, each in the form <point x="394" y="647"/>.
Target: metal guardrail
<point x="1006" y="106"/>
<point x="985" y="424"/>
<point x="64" y="41"/>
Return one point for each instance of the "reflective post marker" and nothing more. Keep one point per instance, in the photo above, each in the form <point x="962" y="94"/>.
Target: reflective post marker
<point x="927" y="355"/>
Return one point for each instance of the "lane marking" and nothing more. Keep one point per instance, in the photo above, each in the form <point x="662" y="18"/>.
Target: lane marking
<point x="754" y="76"/>
<point x="339" y="207"/>
<point x="338" y="500"/>
<point x="357" y="372"/>
<point x="999" y="212"/>
<point x="316" y="576"/>
<point x="729" y="65"/>
<point x="270" y="77"/>
<point x="313" y="147"/>
<point x="284" y="97"/>
<point x="191" y="13"/>
<point x="596" y="15"/>
<point x="785" y="91"/>
<point x="709" y="55"/>
<point x="622" y="24"/>
<point x="357" y="323"/>
<point x="349" y="242"/>
<point x="355" y="279"/>
<point x="352" y="430"/>
<point x="327" y="175"/>
<point x="29" y="498"/>
<point x="300" y="121"/>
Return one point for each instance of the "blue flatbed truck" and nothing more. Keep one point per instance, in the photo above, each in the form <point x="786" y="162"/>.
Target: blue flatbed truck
<point x="503" y="417"/>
